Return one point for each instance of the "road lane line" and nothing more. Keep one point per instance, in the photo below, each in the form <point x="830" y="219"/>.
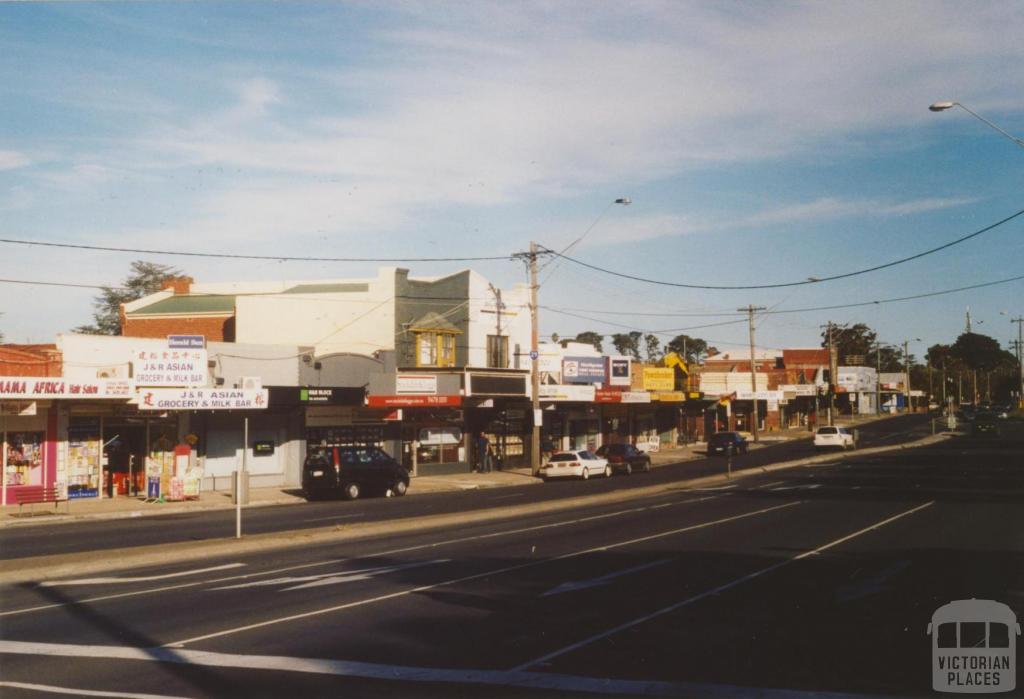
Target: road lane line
<point x="574" y="585"/>
<point x="404" y="673"/>
<point x="50" y="689"/>
<point x="406" y="549"/>
<point x="717" y="590"/>
<point x="147" y="578"/>
<point x="475" y="576"/>
<point x="324" y="519"/>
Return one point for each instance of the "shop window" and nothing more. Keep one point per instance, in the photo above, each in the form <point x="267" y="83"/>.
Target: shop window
<point x="497" y="351"/>
<point x="84" y="450"/>
<point x="439" y="445"/>
<point x="24" y="458"/>
<point x="435" y="349"/>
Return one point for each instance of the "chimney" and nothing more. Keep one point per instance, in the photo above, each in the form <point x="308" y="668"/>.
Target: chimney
<point x="178" y="285"/>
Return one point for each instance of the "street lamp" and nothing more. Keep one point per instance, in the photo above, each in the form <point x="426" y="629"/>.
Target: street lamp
<point x="906" y="365"/>
<point x="943" y="106"/>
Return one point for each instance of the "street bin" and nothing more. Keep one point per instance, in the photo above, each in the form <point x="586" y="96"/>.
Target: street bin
<point x="239" y="488"/>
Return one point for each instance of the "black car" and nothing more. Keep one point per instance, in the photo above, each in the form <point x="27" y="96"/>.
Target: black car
<point x="723" y="442"/>
<point x="985" y="425"/>
<point x="350" y="472"/>
<point x="625" y="458"/>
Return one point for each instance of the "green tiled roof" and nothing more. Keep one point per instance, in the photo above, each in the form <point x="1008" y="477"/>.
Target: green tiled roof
<point x="327" y="288"/>
<point x="188" y="305"/>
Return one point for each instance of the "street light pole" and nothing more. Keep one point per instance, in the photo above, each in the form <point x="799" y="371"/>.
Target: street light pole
<point x="534" y="361"/>
<point x="943" y="106"/>
<point x="1019" y="320"/>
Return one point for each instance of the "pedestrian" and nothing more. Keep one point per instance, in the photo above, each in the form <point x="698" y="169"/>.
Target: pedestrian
<point x="482" y="445"/>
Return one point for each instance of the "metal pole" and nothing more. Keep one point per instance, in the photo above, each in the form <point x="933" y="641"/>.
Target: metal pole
<point x="1019" y="320"/>
<point x="878" y="378"/>
<point x="753" y="364"/>
<point x="906" y="368"/>
<point x="3" y="457"/>
<point x="833" y="379"/>
<point x="238" y="480"/>
<point x="534" y="368"/>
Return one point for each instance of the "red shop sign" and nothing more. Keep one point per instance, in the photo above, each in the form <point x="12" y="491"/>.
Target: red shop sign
<point x="413" y="401"/>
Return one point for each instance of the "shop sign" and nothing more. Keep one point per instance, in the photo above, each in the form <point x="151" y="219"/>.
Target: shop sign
<point x="659" y="379"/>
<point x="560" y="392"/>
<point x="618" y="371"/>
<point x="414" y="401"/>
<point x="263" y="447"/>
<point x="169" y="367"/>
<point x="186" y="341"/>
<point x="759" y="395"/>
<point x="583" y="369"/>
<point x="773" y="406"/>
<point x="669" y="396"/>
<point x="496" y="384"/>
<point x="202" y="399"/>
<point x="18" y="408"/>
<point x="636" y="397"/>
<point x="32" y="387"/>
<point x="606" y="396"/>
<point x="799" y="389"/>
<point x="416" y="384"/>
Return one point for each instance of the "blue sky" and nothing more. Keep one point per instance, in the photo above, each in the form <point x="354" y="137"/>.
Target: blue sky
<point x="760" y="143"/>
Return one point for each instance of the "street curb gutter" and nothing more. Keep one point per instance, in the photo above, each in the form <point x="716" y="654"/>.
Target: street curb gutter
<point x="42" y="568"/>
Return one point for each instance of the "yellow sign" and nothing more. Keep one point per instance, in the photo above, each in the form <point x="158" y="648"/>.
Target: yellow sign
<point x="659" y="379"/>
<point x="669" y="396"/>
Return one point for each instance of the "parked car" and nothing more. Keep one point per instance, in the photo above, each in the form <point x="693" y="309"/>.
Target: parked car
<point x="724" y="442"/>
<point x="985" y="425"/>
<point x="352" y="472"/>
<point x="834" y="437"/>
<point x="625" y="458"/>
<point x="575" y="464"/>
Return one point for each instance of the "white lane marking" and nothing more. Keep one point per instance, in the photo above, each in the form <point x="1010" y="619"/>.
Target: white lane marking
<point x="475" y="576"/>
<point x="392" y="552"/>
<point x="324" y="519"/>
<point x="400" y="673"/>
<point x="146" y="578"/>
<point x="573" y="585"/>
<point x="333" y="578"/>
<point x="712" y="490"/>
<point x="717" y="590"/>
<point x="805" y="486"/>
<point x="769" y="485"/>
<point x="50" y="689"/>
<point x="506" y="497"/>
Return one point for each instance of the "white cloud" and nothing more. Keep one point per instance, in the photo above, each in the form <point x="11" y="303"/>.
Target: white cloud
<point x="12" y="160"/>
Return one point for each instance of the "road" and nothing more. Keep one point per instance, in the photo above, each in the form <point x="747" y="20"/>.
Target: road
<point x="812" y="579"/>
<point x="40" y="540"/>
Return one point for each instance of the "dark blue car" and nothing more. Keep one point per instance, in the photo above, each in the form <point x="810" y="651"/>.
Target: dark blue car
<point x="723" y="442"/>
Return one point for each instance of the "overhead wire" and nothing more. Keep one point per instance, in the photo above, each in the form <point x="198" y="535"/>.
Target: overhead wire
<point x="811" y="280"/>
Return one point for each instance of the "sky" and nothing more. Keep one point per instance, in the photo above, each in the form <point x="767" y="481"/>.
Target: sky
<point x="759" y="143"/>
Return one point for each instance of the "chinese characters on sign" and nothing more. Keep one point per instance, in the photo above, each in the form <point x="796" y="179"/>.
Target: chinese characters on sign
<point x="169" y="367"/>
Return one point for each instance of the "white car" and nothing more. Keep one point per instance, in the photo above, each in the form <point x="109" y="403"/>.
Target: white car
<point x="839" y="437"/>
<point x="575" y="464"/>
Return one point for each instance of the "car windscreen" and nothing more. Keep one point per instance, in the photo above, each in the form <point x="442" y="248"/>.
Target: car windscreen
<point x="827" y="430"/>
<point x="721" y="438"/>
<point x="563" y="457"/>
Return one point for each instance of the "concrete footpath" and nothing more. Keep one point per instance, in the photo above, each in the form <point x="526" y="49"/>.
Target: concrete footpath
<point x="126" y="506"/>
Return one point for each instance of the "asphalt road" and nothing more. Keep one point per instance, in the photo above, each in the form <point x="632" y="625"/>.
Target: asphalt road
<point x="812" y="579"/>
<point x="120" y="535"/>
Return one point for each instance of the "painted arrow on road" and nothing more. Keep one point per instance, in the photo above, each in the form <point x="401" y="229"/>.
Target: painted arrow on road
<point x="574" y="585"/>
<point x="335" y="578"/>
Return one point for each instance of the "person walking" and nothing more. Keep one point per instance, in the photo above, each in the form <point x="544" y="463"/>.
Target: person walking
<point x="483" y="464"/>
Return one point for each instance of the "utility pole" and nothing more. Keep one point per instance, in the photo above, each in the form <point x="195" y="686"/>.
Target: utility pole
<point x="753" y="365"/>
<point x="1019" y="320"/>
<point x="534" y="361"/>
<point x="878" y="378"/>
<point x="906" y="365"/>
<point x="833" y="375"/>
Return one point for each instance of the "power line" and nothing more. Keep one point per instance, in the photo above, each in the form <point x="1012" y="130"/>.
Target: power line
<point x="230" y="256"/>
<point x="813" y="280"/>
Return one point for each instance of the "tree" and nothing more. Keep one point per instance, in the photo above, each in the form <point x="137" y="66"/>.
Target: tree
<point x="591" y="338"/>
<point x="692" y="349"/>
<point x="981" y="352"/>
<point x="859" y="340"/>
<point x="628" y="344"/>
<point x="653" y="346"/>
<point x="145" y="278"/>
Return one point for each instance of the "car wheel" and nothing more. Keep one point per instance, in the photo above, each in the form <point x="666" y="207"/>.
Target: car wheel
<point x="351" y="491"/>
<point x="398" y="489"/>
<point x="586" y="473"/>
<point x="629" y="469"/>
<point x="607" y="471"/>
<point x="647" y="466"/>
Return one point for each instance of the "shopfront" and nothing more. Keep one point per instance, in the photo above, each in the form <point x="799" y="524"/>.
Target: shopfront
<point x="29" y="446"/>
